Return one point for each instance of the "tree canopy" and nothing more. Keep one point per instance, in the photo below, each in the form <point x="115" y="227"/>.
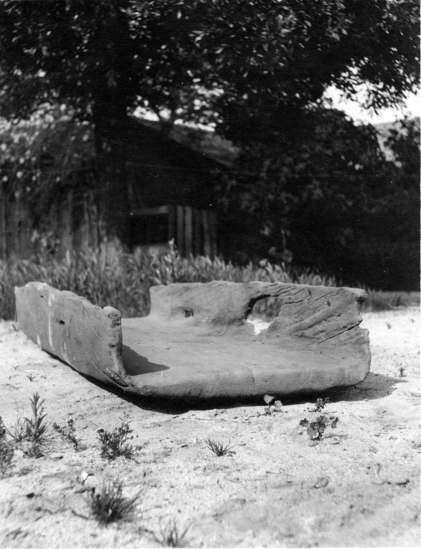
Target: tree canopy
<point x="222" y="60"/>
<point x="257" y="70"/>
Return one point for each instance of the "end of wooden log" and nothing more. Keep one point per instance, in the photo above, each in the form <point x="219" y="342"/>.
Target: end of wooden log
<point x="68" y="326"/>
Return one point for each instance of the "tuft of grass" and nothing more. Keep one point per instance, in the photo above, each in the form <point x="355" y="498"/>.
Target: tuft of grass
<point x="218" y="448"/>
<point x="114" y="443"/>
<point x="33" y="429"/>
<point x="171" y="535"/>
<point x="68" y="433"/>
<point x="386" y="301"/>
<point x="7" y="451"/>
<point x="108" y="504"/>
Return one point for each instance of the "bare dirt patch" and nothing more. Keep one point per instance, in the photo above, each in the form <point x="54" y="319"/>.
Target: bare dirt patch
<point x="358" y="487"/>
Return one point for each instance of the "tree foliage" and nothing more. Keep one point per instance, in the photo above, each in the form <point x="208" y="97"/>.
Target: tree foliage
<point x="227" y="58"/>
<point x="256" y="70"/>
<point x="328" y="197"/>
<point x="41" y="158"/>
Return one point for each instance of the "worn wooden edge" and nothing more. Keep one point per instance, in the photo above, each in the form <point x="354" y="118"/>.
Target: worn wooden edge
<point x="68" y="326"/>
<point x="306" y="311"/>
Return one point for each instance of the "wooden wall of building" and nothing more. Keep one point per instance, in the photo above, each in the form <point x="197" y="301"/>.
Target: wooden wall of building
<point x="161" y="174"/>
<point x="15" y="227"/>
<point x="69" y="224"/>
<point x="192" y="230"/>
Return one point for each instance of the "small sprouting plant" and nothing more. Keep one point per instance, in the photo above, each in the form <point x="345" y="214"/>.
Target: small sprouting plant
<point x="114" y="443"/>
<point x="31" y="377"/>
<point x="32" y="429"/>
<point x="6" y="451"/>
<point x="19" y="430"/>
<point x="218" y="448"/>
<point x="273" y="405"/>
<point x="316" y="429"/>
<point x="171" y="535"/>
<point x="388" y="325"/>
<point x="108" y="504"/>
<point x="68" y="433"/>
<point x="37" y="426"/>
<point x="402" y="371"/>
<point x="320" y="404"/>
<point x="3" y="429"/>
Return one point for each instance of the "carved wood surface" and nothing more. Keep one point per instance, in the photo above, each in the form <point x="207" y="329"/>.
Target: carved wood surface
<point x="196" y="342"/>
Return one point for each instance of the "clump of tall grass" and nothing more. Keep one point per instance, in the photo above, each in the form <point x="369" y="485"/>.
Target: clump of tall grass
<point x="123" y="286"/>
<point x="124" y="282"/>
<point x="385" y="301"/>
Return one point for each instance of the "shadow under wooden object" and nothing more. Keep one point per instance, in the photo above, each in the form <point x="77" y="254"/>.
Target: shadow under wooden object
<point x="197" y="343"/>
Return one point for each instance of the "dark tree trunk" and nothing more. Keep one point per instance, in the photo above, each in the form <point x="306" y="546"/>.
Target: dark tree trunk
<point x="109" y="123"/>
<point x="113" y="93"/>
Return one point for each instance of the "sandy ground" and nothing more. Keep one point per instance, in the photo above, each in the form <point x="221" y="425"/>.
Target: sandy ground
<point x="358" y="487"/>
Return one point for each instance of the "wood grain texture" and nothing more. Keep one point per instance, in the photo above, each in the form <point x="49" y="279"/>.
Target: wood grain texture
<point x="197" y="343"/>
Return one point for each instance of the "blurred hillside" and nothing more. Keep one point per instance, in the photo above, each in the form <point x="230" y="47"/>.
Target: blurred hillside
<point x="384" y="129"/>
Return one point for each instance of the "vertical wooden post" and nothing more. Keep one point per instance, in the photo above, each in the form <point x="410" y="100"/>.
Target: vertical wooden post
<point x="180" y="232"/>
<point x="11" y="228"/>
<point x="3" y="224"/>
<point x="85" y="225"/>
<point x="171" y="222"/>
<point x="212" y="223"/>
<point x="93" y="221"/>
<point x="23" y="227"/>
<point x="66" y="218"/>
<point x="81" y="224"/>
<point x="18" y="228"/>
<point x="188" y="231"/>
<point x="197" y="250"/>
<point x="206" y="233"/>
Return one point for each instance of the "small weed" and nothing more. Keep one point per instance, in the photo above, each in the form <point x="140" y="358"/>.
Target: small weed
<point x="19" y="431"/>
<point x="6" y="451"/>
<point x="37" y="427"/>
<point x="218" y="448"/>
<point x="273" y="405"/>
<point x="171" y="535"/>
<point x="388" y="325"/>
<point x="3" y="429"/>
<point x="316" y="429"/>
<point x="114" y="444"/>
<point x="32" y="429"/>
<point x="31" y="377"/>
<point x="68" y="433"/>
<point x="320" y="404"/>
<point x="108" y="504"/>
<point x="402" y="371"/>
